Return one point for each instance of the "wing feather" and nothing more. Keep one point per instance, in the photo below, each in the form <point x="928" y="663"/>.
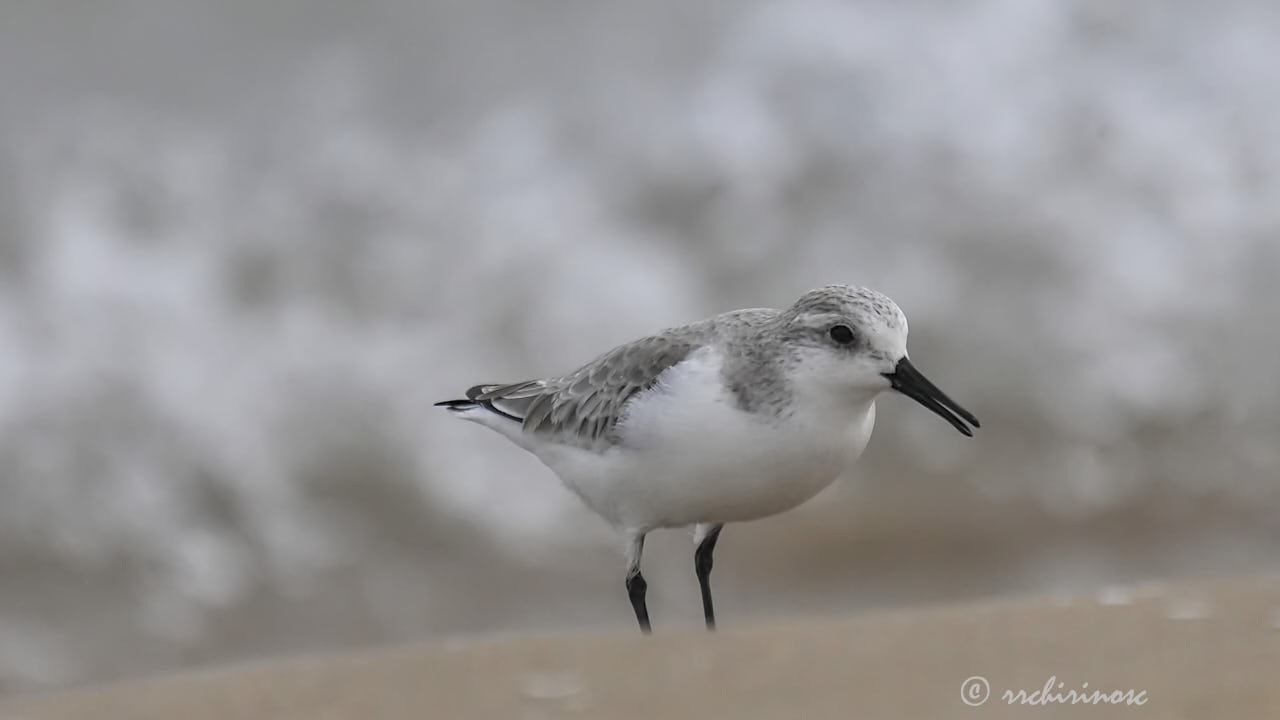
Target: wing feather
<point x="583" y="408"/>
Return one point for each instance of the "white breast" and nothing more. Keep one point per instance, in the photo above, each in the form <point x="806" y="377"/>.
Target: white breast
<point x="688" y="454"/>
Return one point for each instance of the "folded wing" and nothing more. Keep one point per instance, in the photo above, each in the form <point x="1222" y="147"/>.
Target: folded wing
<point x="583" y="408"/>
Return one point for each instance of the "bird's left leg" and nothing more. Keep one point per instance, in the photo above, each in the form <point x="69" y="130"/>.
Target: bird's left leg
<point x="704" y="537"/>
<point x="636" y="585"/>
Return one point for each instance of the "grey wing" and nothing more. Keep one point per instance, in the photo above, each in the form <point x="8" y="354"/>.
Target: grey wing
<point x="583" y="408"/>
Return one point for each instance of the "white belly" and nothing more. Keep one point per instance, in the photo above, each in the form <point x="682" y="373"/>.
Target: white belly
<point x="689" y="454"/>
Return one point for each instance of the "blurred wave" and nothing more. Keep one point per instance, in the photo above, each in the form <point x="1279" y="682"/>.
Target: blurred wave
<point x="243" y="248"/>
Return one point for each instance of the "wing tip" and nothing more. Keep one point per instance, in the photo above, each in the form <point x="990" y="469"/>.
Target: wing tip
<point x="455" y="405"/>
<point x="476" y="398"/>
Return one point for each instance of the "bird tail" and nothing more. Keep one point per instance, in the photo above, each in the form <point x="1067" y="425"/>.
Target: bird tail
<point x="487" y="397"/>
<point x="475" y="399"/>
<point x="480" y="409"/>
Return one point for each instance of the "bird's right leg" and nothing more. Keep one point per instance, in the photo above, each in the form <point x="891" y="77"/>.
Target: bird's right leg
<point x="636" y="585"/>
<point x="704" y="537"/>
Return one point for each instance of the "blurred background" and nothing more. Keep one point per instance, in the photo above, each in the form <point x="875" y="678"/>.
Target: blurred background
<point x="244" y="246"/>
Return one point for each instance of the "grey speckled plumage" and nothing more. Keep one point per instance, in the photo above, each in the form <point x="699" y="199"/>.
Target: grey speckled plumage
<point x="583" y="408"/>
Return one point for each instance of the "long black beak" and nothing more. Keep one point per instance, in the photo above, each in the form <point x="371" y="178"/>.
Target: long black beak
<point x="907" y="380"/>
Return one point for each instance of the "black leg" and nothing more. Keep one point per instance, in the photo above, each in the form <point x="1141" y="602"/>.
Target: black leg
<point x="635" y="590"/>
<point x="702" y="565"/>
<point x="636" y="585"/>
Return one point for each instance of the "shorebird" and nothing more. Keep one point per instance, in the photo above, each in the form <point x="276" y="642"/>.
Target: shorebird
<point x="737" y="417"/>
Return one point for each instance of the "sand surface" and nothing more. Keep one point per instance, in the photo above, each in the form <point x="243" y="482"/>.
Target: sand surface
<point x="1204" y="649"/>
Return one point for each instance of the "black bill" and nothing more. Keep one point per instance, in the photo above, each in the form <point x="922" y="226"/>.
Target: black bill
<point x="907" y="380"/>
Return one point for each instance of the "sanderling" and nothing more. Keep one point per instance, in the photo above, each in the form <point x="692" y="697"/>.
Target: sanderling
<point x="736" y="417"/>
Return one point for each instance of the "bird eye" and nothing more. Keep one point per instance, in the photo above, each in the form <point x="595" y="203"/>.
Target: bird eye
<point x="842" y="334"/>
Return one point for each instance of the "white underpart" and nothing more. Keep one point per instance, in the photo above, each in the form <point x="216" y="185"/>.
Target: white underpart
<point x="688" y="454"/>
<point x="510" y="429"/>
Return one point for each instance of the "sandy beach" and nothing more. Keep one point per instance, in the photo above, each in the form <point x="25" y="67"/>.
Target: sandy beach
<point x="1201" y="649"/>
